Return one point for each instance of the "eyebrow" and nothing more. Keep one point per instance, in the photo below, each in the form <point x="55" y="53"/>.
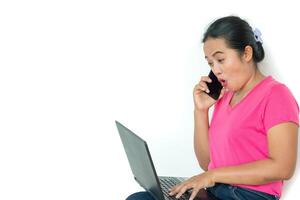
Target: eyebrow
<point x="215" y="53"/>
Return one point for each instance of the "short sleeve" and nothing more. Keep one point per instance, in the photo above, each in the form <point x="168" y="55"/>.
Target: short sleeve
<point x="281" y="107"/>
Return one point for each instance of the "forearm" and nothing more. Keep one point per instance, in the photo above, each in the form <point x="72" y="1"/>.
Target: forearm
<point x="254" y="173"/>
<point x="201" y="145"/>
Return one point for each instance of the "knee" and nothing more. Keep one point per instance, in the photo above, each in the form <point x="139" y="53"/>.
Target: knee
<point x="140" y="196"/>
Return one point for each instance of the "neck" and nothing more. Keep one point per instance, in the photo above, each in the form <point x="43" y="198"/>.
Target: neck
<point x="255" y="78"/>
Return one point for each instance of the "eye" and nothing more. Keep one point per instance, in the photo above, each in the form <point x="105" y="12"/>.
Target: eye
<point x="220" y="60"/>
<point x="210" y="64"/>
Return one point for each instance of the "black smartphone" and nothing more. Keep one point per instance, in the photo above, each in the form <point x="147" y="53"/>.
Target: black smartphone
<point x="214" y="87"/>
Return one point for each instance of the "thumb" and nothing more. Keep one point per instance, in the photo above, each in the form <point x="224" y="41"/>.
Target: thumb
<point x="222" y="93"/>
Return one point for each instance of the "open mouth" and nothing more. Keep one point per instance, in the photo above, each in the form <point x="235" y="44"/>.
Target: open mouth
<point x="223" y="82"/>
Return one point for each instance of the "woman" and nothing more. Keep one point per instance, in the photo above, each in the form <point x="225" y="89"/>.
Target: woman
<point x="250" y="146"/>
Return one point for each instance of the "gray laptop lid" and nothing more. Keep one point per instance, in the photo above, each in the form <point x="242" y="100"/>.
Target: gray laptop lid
<point x="140" y="161"/>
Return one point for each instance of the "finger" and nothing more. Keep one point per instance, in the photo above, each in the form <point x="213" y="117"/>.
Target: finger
<point x="173" y="190"/>
<point x="204" y="87"/>
<point x="206" y="79"/>
<point x="222" y="93"/>
<point x="181" y="191"/>
<point x="194" y="193"/>
<point x="199" y="88"/>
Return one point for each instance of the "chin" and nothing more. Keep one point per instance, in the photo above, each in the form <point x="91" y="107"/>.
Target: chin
<point x="228" y="89"/>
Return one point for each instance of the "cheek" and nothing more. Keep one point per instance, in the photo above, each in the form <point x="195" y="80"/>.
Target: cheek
<point x="232" y="72"/>
<point x="230" y="68"/>
<point x="235" y="81"/>
<point x="233" y="66"/>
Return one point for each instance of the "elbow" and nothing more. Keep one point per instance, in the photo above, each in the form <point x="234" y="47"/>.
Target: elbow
<point x="283" y="170"/>
<point x="278" y="175"/>
<point x="204" y="166"/>
<point x="287" y="171"/>
<point x="287" y="175"/>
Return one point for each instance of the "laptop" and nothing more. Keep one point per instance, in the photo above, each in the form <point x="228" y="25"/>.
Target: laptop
<point x="144" y="172"/>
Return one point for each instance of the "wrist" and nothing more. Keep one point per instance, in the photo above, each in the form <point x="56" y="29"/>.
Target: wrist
<point x="201" y="110"/>
<point x="212" y="174"/>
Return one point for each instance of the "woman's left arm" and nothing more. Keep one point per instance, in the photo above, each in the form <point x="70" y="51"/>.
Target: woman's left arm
<point x="280" y="165"/>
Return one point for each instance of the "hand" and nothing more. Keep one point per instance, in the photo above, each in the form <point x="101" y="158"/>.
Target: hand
<point x="201" y="99"/>
<point x="195" y="183"/>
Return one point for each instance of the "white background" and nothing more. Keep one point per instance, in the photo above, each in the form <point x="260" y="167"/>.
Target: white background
<point x="68" y="69"/>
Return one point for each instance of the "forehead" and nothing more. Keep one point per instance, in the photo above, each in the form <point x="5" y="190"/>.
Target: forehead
<point x="213" y="45"/>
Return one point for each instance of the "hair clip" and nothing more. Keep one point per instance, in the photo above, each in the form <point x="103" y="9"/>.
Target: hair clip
<point x="257" y="35"/>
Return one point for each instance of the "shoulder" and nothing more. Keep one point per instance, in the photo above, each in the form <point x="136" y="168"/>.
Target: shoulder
<point x="278" y="91"/>
<point x="280" y="105"/>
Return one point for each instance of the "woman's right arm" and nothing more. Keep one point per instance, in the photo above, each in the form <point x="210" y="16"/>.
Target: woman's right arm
<point x="201" y="145"/>
<point x="201" y="125"/>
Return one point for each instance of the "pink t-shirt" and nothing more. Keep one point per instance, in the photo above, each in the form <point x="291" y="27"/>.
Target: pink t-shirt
<point x="238" y="134"/>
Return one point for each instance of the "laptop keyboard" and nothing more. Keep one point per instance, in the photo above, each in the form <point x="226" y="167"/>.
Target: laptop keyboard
<point x="167" y="183"/>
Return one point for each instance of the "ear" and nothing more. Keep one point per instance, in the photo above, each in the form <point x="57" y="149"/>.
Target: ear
<point x="248" y="53"/>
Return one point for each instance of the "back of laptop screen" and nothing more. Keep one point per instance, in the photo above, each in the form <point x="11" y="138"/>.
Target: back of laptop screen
<point x="140" y="161"/>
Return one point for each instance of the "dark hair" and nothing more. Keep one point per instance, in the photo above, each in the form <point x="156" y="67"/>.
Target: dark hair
<point x="237" y="34"/>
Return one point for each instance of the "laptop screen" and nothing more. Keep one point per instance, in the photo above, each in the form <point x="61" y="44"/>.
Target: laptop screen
<point x="140" y="161"/>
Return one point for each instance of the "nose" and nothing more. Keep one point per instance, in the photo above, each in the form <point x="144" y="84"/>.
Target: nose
<point x="217" y="70"/>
